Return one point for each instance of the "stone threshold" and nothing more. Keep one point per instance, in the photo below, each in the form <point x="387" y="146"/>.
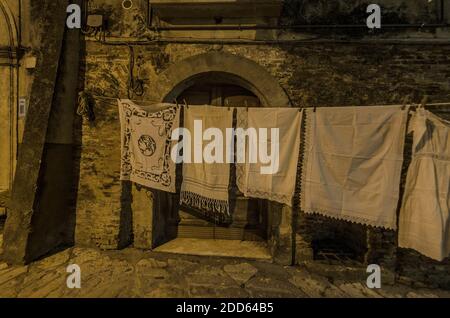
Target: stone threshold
<point x="217" y="248"/>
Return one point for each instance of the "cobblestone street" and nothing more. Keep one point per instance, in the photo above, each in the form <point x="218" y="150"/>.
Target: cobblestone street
<point x="135" y="273"/>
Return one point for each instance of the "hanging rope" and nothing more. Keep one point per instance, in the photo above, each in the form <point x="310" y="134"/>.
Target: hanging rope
<point x="135" y="85"/>
<point x="85" y="107"/>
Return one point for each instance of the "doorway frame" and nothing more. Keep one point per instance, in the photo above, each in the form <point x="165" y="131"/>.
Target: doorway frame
<point x="9" y="60"/>
<point x="170" y="83"/>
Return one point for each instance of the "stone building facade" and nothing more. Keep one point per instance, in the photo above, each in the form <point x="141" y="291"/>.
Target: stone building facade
<point x="261" y="53"/>
<point x="8" y="85"/>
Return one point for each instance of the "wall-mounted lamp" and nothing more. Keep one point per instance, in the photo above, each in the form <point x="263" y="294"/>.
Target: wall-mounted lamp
<point x="127" y="4"/>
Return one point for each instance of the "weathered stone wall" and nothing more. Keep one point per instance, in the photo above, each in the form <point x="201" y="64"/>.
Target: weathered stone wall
<point x="32" y="228"/>
<point x="8" y="89"/>
<point x="354" y="12"/>
<point x="312" y="74"/>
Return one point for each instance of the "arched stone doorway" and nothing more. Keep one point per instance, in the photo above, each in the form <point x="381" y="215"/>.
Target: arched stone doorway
<point x="250" y="218"/>
<point x="221" y="79"/>
<point x="8" y="99"/>
<point x="241" y="70"/>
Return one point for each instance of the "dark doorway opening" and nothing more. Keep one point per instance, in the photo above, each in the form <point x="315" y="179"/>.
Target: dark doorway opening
<point x="247" y="235"/>
<point x="249" y="216"/>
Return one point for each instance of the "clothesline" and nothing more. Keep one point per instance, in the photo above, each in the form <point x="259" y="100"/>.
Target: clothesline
<point x="351" y="161"/>
<point x="442" y="104"/>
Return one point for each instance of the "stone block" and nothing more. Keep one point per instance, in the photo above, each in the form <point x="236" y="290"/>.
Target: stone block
<point x="142" y="211"/>
<point x="303" y="250"/>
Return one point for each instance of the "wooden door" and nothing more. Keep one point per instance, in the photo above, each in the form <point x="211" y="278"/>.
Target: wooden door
<point x="249" y="215"/>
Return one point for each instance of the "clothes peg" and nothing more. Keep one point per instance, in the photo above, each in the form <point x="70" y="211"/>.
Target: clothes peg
<point x="315" y="108"/>
<point x="424" y="101"/>
<point x="405" y="102"/>
<point x="175" y="101"/>
<point x="226" y="103"/>
<point x="185" y="104"/>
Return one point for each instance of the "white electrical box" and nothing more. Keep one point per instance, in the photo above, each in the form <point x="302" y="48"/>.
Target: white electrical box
<point x="22" y="107"/>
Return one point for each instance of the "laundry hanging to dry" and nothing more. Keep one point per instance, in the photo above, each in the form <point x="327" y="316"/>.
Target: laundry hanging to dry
<point x="205" y="186"/>
<point x="146" y="144"/>
<point x="424" y="223"/>
<point x="352" y="163"/>
<point x="280" y="185"/>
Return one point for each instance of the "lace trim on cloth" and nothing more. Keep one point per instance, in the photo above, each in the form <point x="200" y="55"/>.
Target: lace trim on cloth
<point x="163" y="124"/>
<point x="206" y="187"/>
<point x="352" y="219"/>
<point x="242" y="122"/>
<point x="309" y="118"/>
<point x="217" y="210"/>
<point x="280" y="198"/>
<point x="246" y="189"/>
<point x="306" y="152"/>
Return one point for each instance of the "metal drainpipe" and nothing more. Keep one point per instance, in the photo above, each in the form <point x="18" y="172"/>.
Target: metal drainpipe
<point x="150" y="14"/>
<point x="18" y="53"/>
